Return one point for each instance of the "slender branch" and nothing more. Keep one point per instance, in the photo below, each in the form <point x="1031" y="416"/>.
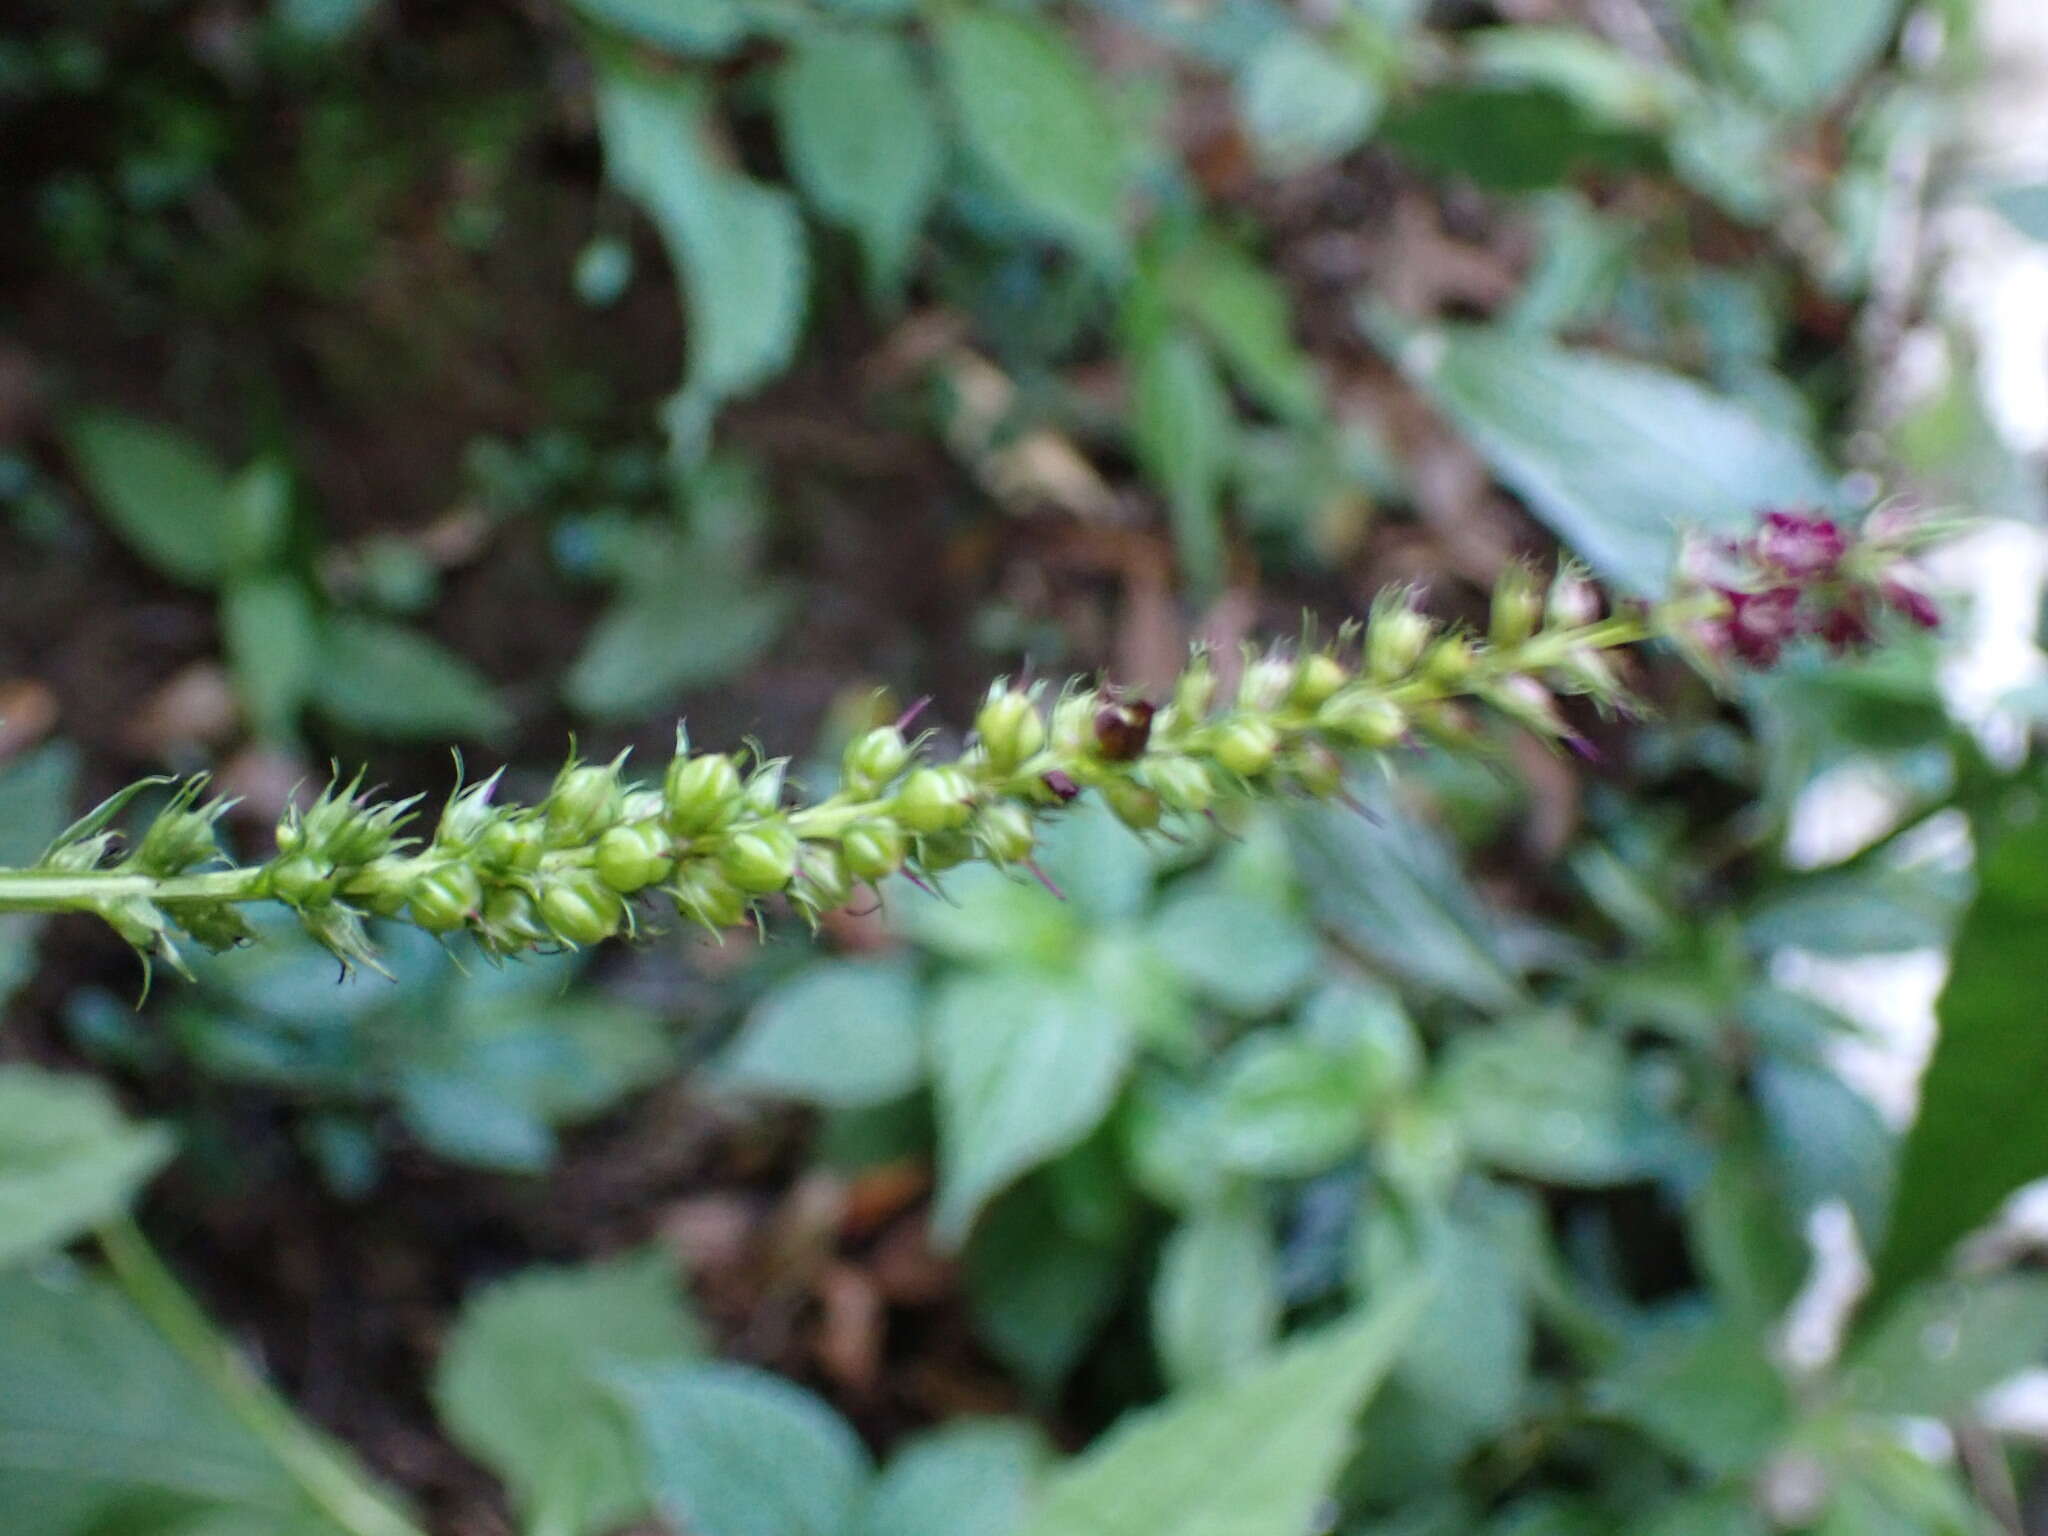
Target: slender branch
<point x="326" y="1472"/>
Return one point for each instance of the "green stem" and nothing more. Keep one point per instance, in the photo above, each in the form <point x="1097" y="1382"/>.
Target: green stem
<point x="47" y="890"/>
<point x="326" y="1472"/>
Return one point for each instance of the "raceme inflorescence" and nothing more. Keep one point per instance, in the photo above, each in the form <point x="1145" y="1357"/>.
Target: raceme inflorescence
<point x="720" y="833"/>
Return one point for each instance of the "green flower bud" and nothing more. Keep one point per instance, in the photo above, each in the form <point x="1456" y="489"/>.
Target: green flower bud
<point x="934" y="800"/>
<point x="1004" y="832"/>
<point x="468" y="815"/>
<point x="1449" y="661"/>
<point x="176" y="841"/>
<point x="290" y="835"/>
<point x="1317" y="676"/>
<point x="642" y="805"/>
<point x="343" y="830"/>
<point x="583" y="802"/>
<point x="763" y="794"/>
<point x="511" y="845"/>
<point x="1363" y="717"/>
<point x="1194" y="694"/>
<point x="1182" y="784"/>
<point x="1246" y="747"/>
<point x="1265" y="684"/>
<point x="444" y="898"/>
<point x="383" y="886"/>
<point x="217" y="925"/>
<point x="1133" y="804"/>
<point x="1574" y="601"/>
<point x="937" y="851"/>
<point x="704" y="895"/>
<point x="1396" y="638"/>
<point x="873" y="847"/>
<point x="872" y="760"/>
<point x="301" y="881"/>
<point x="1073" y="723"/>
<point x="632" y="857"/>
<point x="512" y="920"/>
<point x="823" y="881"/>
<point x="702" y="794"/>
<point x="1010" y="728"/>
<point x="579" y="908"/>
<point x="759" y="859"/>
<point x="1517" y="607"/>
<point x="1315" y="768"/>
<point x="1530" y="704"/>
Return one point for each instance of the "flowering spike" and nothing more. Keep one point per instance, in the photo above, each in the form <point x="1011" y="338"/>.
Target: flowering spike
<point x="720" y="834"/>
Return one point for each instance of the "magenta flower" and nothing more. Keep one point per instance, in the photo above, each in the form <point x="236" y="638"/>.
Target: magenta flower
<point x="1803" y="546"/>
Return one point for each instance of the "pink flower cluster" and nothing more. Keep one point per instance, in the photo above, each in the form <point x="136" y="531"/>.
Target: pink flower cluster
<point x="1801" y="575"/>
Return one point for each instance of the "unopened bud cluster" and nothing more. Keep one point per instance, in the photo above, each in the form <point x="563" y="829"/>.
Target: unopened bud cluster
<point x="718" y="834"/>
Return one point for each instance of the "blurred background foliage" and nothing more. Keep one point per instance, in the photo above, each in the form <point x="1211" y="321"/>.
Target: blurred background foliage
<point x="380" y="376"/>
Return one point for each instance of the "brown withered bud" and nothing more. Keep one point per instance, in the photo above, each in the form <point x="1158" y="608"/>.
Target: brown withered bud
<point x="1122" y="729"/>
<point x="1061" y="785"/>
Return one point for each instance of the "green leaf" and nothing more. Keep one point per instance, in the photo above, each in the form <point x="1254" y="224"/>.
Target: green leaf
<point x="1507" y="138"/>
<point x="842" y="1033"/>
<point x="1216" y="1298"/>
<point x="1246" y="955"/>
<point x="1618" y="458"/>
<point x="691" y="615"/>
<point x="1303" y="103"/>
<point x="388" y="680"/>
<point x="259" y="516"/>
<point x="68" y="1159"/>
<point x="1037" y="1291"/>
<point x="734" y="1451"/>
<point x="35" y="792"/>
<point x="496" y="1071"/>
<point x="1745" y="1234"/>
<point x="1828" y="1142"/>
<point x="863" y="141"/>
<point x="1940" y="1346"/>
<point x="971" y="1477"/>
<point x="1252" y="1457"/>
<point x="1805" y="53"/>
<point x="1285" y="1108"/>
<point x="1243" y="311"/>
<point x="1467" y="1362"/>
<point x="163" y="492"/>
<point x="1168" y="1129"/>
<point x="1705" y="1388"/>
<point x="1031" y="113"/>
<point x="1544" y="1098"/>
<point x="35" y="801"/>
<point x="271" y="636"/>
<point x="1607" y="82"/>
<point x="1182" y="426"/>
<point x="1714" y="1513"/>
<point x="1867" y="912"/>
<point x="737" y="244"/>
<point x="1024" y="1067"/>
<point x="522" y="1383"/>
<point x="709" y="28"/>
<point x="100" y="1418"/>
<point x="1389" y="884"/>
<point x="1980" y="1134"/>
